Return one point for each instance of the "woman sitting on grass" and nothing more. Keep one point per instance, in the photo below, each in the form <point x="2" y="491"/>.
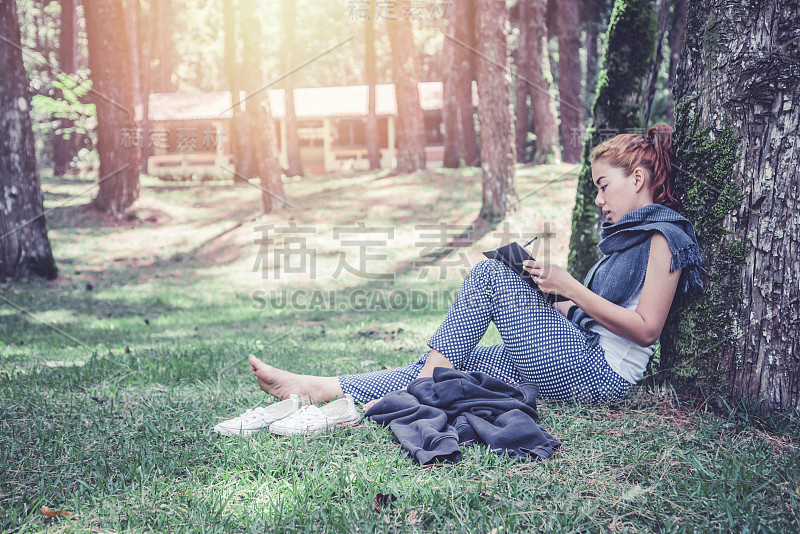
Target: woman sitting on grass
<point x="590" y="348"/>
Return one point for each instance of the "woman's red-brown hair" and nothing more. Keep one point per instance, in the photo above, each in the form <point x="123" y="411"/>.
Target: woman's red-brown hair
<point x="652" y="152"/>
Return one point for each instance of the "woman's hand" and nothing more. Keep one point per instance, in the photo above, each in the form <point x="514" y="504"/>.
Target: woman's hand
<point x="551" y="278"/>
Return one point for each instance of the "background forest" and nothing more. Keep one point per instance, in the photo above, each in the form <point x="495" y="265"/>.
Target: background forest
<point x="185" y="182"/>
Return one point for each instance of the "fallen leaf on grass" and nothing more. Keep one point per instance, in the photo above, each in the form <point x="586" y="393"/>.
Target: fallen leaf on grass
<point x="56" y="514"/>
<point x="383" y="500"/>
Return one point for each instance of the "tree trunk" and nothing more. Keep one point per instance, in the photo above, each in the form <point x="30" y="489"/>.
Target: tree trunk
<point x="649" y="87"/>
<point x="239" y="138"/>
<point x="464" y="13"/>
<point x="591" y="18"/>
<point x="132" y="25"/>
<point x="163" y="48"/>
<point x="453" y="139"/>
<point x="258" y="115"/>
<point x="294" y="166"/>
<point x="630" y="43"/>
<point x="569" y="78"/>
<point x="737" y="93"/>
<point x="145" y="74"/>
<point x="373" y="146"/>
<point x="521" y="108"/>
<point x="410" y="121"/>
<point x="111" y="93"/>
<point x="24" y="247"/>
<point x="64" y="147"/>
<point x="676" y="33"/>
<point x="542" y="104"/>
<point x="497" y="133"/>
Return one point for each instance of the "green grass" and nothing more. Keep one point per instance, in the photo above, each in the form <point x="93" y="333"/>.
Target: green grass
<point x="112" y="421"/>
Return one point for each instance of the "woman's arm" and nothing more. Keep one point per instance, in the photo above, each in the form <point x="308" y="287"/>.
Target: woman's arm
<point x="642" y="326"/>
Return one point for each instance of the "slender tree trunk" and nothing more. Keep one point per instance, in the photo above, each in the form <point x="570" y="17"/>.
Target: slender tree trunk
<point x="676" y="33"/>
<point x="569" y="78"/>
<point x="294" y="164"/>
<point x="64" y="147"/>
<point x="238" y="131"/>
<point x="521" y="112"/>
<point x="163" y="47"/>
<point x="410" y="122"/>
<point x="630" y="43"/>
<point x="738" y="96"/>
<point x="373" y="147"/>
<point x="591" y="18"/>
<point x="258" y="115"/>
<point x="497" y="134"/>
<point x="464" y="13"/>
<point x="24" y="247"/>
<point x="145" y="73"/>
<point x="132" y="26"/>
<point x="111" y="93"/>
<point x="453" y="140"/>
<point x="542" y="103"/>
<point x="649" y="88"/>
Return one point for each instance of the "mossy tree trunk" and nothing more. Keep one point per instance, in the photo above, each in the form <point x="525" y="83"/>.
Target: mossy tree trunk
<point x="497" y="137"/>
<point x="738" y="114"/>
<point x="453" y="75"/>
<point x="626" y="62"/>
<point x="24" y="247"/>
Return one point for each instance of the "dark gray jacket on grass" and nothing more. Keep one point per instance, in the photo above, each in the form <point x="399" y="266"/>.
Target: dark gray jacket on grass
<point x="434" y="415"/>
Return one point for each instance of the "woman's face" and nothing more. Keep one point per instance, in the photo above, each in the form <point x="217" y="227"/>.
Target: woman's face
<point x="617" y="192"/>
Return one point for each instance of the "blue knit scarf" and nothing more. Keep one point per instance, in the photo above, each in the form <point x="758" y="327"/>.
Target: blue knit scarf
<point x="626" y="248"/>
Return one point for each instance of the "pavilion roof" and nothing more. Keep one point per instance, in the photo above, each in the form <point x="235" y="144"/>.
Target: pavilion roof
<point x="309" y="103"/>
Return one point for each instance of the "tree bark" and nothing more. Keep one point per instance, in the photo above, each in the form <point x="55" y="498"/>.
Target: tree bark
<point x="542" y="103"/>
<point x="64" y="147"/>
<point x="373" y="147"/>
<point x="24" y="247"/>
<point x="258" y="115"/>
<point x="453" y="139"/>
<point x="676" y="33"/>
<point x="111" y="93"/>
<point x="738" y="96"/>
<point x="294" y="166"/>
<point x="630" y="42"/>
<point x="649" y="87"/>
<point x="569" y="78"/>
<point x="410" y="121"/>
<point x="497" y="133"/>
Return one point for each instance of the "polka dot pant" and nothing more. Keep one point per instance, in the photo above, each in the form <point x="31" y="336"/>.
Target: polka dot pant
<point x="539" y="344"/>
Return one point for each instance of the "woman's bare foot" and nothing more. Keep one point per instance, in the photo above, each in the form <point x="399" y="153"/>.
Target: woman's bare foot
<point x="281" y="384"/>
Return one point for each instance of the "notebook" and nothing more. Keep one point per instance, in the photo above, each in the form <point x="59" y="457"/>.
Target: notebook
<point x="513" y="255"/>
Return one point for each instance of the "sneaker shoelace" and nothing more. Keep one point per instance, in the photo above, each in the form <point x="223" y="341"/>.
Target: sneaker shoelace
<point x="309" y="414"/>
<point x="253" y="414"/>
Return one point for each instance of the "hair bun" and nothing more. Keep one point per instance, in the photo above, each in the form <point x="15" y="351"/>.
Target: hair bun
<point x="660" y="134"/>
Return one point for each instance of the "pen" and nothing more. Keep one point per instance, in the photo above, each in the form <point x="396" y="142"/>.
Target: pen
<point x="531" y="241"/>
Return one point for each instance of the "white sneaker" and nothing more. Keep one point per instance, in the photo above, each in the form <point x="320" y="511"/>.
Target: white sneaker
<point x="258" y="419"/>
<point x="310" y="418"/>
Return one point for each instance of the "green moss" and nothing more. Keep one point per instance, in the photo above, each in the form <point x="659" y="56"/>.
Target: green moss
<point x="631" y="42"/>
<point x="698" y="333"/>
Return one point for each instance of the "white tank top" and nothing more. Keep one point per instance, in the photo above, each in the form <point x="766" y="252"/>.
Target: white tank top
<point x="626" y="358"/>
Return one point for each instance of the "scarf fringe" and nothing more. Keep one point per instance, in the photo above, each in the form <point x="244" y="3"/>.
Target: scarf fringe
<point x="690" y="262"/>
